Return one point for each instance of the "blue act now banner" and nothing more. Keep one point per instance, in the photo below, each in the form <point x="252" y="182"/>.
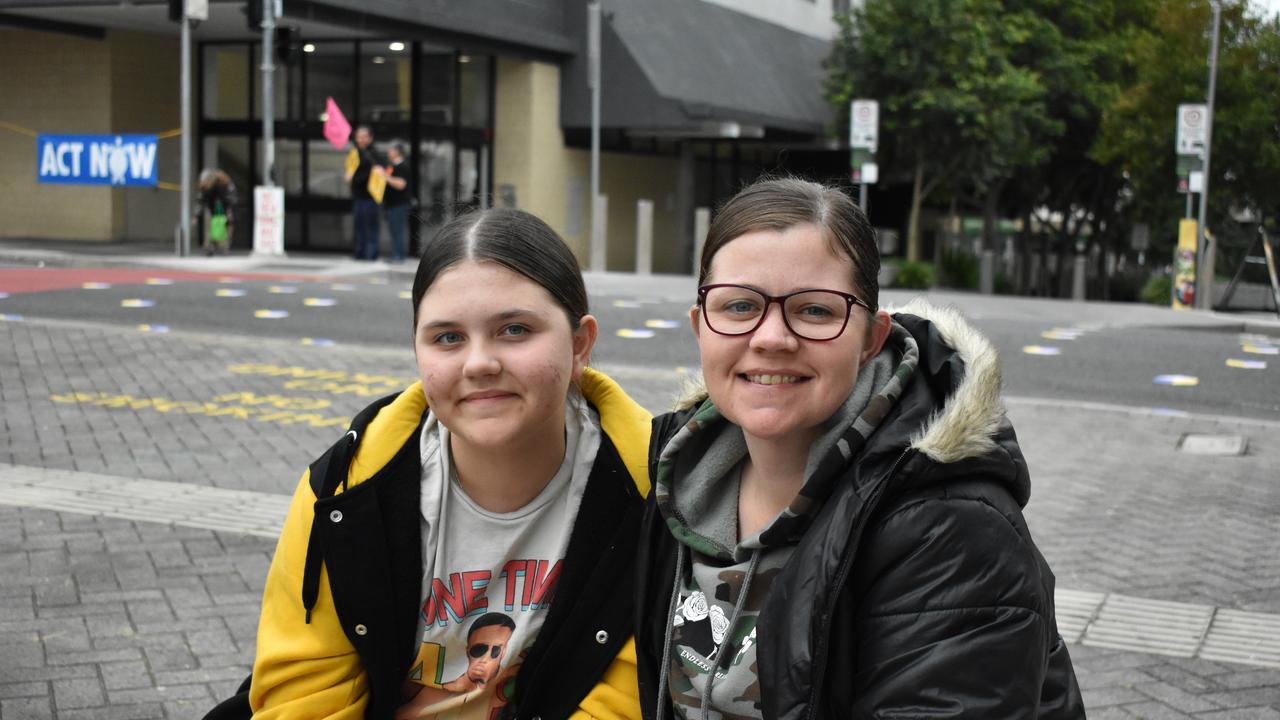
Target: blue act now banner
<point x="96" y="159"/>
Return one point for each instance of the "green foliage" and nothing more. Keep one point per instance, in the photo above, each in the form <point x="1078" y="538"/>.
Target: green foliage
<point x="1063" y="109"/>
<point x="914" y="275"/>
<point x="1158" y="290"/>
<point x="958" y="269"/>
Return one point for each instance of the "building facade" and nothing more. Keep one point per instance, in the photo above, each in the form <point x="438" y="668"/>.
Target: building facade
<point x="489" y="96"/>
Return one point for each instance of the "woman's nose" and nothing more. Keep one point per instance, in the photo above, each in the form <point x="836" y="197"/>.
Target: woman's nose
<point x="773" y="333"/>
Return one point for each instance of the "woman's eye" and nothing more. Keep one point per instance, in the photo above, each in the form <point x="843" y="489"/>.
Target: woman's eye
<point x="740" y="307"/>
<point x="515" y="330"/>
<point x="816" y="312"/>
<point x="447" y="338"/>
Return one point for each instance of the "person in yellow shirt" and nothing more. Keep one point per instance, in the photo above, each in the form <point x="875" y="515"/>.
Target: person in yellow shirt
<point x="509" y="481"/>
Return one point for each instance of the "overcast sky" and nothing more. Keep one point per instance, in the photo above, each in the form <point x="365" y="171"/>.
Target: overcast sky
<point x="1269" y="7"/>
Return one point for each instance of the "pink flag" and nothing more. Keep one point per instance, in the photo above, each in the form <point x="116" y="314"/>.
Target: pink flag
<point x="336" y="128"/>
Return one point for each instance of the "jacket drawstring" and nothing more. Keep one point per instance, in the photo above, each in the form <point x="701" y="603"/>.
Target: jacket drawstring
<point x="326" y="474"/>
<point x="666" y="636"/>
<point x="716" y="660"/>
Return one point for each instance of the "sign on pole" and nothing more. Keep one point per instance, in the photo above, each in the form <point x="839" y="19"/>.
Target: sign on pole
<point x="96" y="159"/>
<point x="864" y="124"/>
<point x="1192" y="127"/>
<point x="268" y="220"/>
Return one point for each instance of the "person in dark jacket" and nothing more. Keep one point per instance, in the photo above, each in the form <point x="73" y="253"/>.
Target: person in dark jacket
<point x="397" y="200"/>
<point x="467" y="548"/>
<point x="364" y="207"/>
<point x="836" y="528"/>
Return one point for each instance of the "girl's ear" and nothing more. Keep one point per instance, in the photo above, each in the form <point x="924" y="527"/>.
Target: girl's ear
<point x="877" y="333"/>
<point x="584" y="339"/>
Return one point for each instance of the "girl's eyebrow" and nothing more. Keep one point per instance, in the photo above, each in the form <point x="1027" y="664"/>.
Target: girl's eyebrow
<point x="499" y="317"/>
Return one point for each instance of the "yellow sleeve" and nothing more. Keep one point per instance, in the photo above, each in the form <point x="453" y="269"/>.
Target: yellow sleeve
<point x="617" y="695"/>
<point x="301" y="670"/>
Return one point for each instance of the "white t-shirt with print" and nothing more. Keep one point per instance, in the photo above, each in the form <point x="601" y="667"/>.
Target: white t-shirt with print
<point x="488" y="578"/>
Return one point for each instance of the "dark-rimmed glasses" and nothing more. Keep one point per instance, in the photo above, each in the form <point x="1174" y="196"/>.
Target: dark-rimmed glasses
<point x="813" y="314"/>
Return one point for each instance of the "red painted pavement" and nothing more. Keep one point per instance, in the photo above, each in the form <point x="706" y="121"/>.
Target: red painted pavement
<point x="28" y="280"/>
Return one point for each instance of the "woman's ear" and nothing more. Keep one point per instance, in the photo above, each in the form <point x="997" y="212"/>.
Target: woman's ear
<point x="584" y="339"/>
<point x="693" y="322"/>
<point x="877" y="332"/>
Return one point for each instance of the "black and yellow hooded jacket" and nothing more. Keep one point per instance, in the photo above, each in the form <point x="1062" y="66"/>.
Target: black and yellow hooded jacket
<point x="340" y="608"/>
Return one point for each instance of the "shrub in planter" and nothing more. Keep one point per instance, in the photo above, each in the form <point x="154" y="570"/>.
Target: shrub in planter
<point x="917" y="275"/>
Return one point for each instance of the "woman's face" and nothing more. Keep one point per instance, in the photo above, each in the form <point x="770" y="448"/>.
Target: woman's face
<point x="496" y="355"/>
<point x="774" y="385"/>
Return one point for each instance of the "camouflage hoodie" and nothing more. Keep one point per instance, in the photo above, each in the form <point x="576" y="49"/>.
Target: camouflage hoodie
<point x="723" y="582"/>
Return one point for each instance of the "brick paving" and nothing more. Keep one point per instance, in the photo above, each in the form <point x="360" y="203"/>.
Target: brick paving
<point x="104" y="617"/>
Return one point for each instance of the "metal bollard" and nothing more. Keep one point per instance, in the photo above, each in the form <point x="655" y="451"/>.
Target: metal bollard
<point x="1078" y="277"/>
<point x="987" y="272"/>
<point x="644" y="237"/>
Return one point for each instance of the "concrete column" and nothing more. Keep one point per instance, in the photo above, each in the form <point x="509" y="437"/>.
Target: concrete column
<point x="644" y="237"/>
<point x="600" y="228"/>
<point x="701" y="225"/>
<point x="686" y="222"/>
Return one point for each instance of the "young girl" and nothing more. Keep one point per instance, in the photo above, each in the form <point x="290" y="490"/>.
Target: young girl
<point x="836" y="529"/>
<point x="466" y="549"/>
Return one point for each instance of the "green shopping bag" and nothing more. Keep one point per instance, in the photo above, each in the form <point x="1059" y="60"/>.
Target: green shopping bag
<point x="218" y="225"/>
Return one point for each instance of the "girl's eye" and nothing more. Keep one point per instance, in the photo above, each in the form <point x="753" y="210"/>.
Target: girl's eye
<point x="515" y="330"/>
<point x="447" y="338"/>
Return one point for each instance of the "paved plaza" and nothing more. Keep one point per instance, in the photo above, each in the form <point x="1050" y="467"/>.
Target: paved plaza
<point x="143" y="477"/>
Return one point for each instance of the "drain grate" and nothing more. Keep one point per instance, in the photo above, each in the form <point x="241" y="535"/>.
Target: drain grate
<point x="1194" y="444"/>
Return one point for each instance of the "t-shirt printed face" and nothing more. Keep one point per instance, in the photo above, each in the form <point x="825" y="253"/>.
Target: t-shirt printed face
<point x="492" y="580"/>
<point x="471" y="640"/>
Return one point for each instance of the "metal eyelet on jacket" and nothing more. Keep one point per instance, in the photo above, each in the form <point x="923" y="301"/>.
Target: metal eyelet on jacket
<point x="362" y="630"/>
<point x="602" y="637"/>
<point x="335" y="516"/>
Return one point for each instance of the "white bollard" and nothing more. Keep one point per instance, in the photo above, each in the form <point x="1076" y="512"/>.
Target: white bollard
<point x="644" y="237"/>
<point x="1078" y="277"/>
<point x="701" y="226"/>
<point x="599" y="236"/>
<point x="987" y="272"/>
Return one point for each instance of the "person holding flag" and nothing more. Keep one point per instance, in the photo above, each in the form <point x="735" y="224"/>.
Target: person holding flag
<point x="365" y="174"/>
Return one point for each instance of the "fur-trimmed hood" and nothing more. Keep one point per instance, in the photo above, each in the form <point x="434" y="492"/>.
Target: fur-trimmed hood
<point x="967" y="424"/>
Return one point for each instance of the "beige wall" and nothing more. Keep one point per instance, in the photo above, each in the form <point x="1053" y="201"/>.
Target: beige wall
<point x="553" y="182"/>
<point x="62" y="84"/>
<point x="145" y="95"/>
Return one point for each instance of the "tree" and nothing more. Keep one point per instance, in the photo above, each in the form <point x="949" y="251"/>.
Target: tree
<point x="953" y="103"/>
<point x="1168" y="61"/>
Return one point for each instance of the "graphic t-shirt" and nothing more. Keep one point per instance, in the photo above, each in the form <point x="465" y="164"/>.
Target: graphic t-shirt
<point x="488" y="578"/>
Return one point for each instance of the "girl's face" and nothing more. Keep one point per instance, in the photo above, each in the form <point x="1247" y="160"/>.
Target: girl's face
<point x="774" y="385"/>
<point x="496" y="354"/>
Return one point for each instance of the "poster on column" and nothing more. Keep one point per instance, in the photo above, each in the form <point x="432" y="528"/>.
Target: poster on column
<point x="1184" y="266"/>
<point x="268" y="220"/>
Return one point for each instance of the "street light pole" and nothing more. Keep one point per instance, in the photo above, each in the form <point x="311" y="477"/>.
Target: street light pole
<point x="593" y="83"/>
<point x="1204" y="264"/>
<point x="184" y="232"/>
<point x="268" y="92"/>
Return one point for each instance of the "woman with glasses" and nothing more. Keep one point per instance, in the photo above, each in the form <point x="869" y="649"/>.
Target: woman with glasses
<point x="467" y="549"/>
<point x="836" y="526"/>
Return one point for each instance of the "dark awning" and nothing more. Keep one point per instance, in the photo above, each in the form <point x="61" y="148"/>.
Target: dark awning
<point x="694" y="69"/>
